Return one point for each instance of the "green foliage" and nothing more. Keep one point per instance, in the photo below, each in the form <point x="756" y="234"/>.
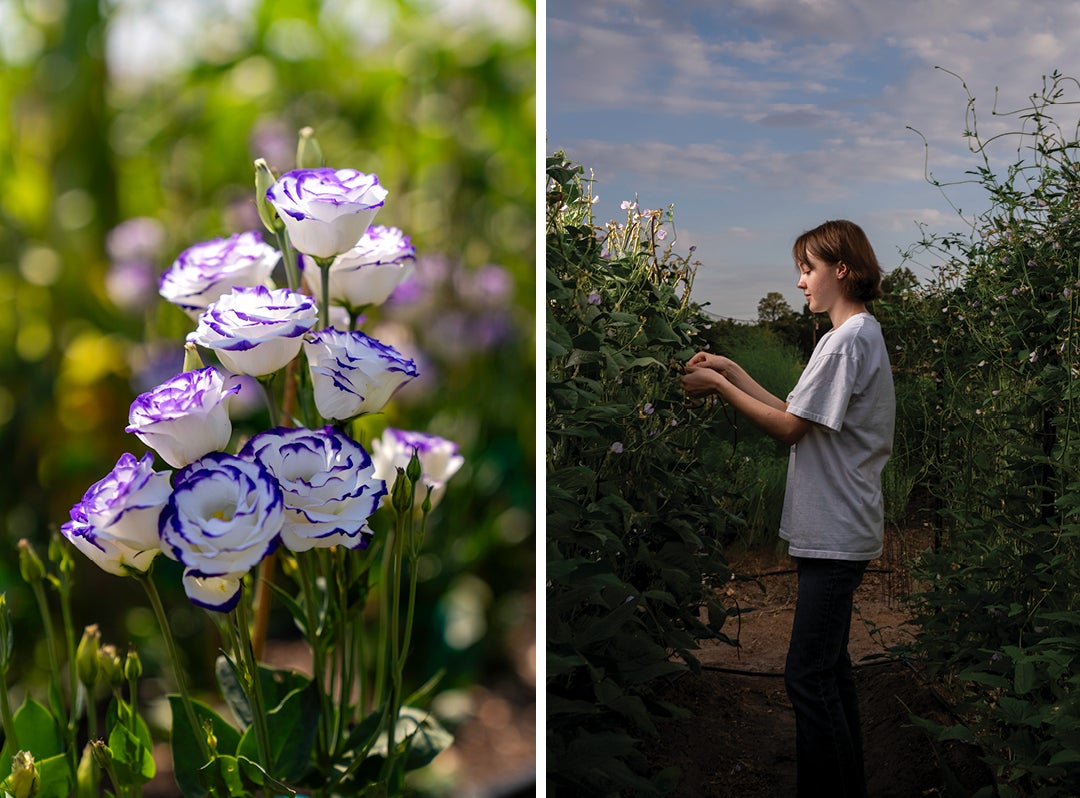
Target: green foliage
<point x="988" y="366"/>
<point x="442" y="109"/>
<point x="754" y="466"/>
<point x="633" y="526"/>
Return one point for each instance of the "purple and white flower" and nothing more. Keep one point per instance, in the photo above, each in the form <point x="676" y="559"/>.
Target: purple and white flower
<point x="224" y="515"/>
<point x="329" y="485"/>
<point x="326" y="211"/>
<point x="116" y="523"/>
<point x="256" y="331"/>
<point x="369" y="272"/>
<point x="439" y="460"/>
<point x="206" y="271"/>
<point x="184" y="417"/>
<point x="353" y="373"/>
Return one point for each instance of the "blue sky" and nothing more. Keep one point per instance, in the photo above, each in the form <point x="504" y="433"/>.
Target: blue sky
<point x="758" y="119"/>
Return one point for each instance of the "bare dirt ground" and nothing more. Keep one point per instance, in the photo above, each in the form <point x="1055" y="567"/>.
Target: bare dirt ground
<point x="740" y="739"/>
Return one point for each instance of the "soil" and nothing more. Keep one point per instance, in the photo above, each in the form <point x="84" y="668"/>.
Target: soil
<point x="739" y="741"/>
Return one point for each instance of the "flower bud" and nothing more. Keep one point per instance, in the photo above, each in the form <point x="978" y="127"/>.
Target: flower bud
<point x="401" y="494"/>
<point x="23" y="781"/>
<point x="112" y="670"/>
<point x="308" y="152"/>
<point x="211" y="738"/>
<point x="60" y="554"/>
<point x="86" y="656"/>
<point x="102" y="754"/>
<point x="192" y="360"/>
<point x="414" y="470"/>
<point x="264" y="178"/>
<point x="132" y="665"/>
<point x="86" y="776"/>
<point x="30" y="565"/>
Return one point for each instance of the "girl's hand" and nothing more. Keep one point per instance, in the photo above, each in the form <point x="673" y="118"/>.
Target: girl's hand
<point x="707" y="360"/>
<point x="699" y="380"/>
<point x="701" y="360"/>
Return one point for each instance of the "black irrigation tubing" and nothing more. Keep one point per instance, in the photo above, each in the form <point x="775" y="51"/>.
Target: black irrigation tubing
<point x="777" y="674"/>
<point x="795" y="571"/>
<point x="905" y="661"/>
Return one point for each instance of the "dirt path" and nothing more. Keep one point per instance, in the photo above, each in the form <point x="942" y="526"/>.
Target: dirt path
<point x="739" y="742"/>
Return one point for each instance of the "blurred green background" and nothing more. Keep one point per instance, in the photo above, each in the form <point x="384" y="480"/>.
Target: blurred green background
<point x="127" y="134"/>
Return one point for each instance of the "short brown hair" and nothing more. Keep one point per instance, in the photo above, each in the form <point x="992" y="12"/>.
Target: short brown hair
<point x="840" y="241"/>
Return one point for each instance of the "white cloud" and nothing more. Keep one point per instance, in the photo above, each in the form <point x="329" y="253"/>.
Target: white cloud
<point x="772" y="113"/>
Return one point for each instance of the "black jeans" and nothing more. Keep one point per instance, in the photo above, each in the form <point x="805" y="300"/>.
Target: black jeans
<point x="820" y="682"/>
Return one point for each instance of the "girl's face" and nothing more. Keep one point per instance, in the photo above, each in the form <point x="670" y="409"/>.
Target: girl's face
<point x="820" y="283"/>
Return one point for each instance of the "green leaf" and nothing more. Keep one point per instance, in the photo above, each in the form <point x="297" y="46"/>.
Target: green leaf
<point x="187" y="755"/>
<point x="418" y="733"/>
<point x="658" y="329"/>
<point x="132" y="757"/>
<point x="363" y="736"/>
<point x="276" y="684"/>
<point x="988" y="679"/>
<point x="228" y="679"/>
<point x="1066" y="757"/>
<point x="224" y="775"/>
<point x="425" y="691"/>
<point x="37" y="731"/>
<point x="1024" y="676"/>
<point x="54" y="776"/>
<point x="292" y="727"/>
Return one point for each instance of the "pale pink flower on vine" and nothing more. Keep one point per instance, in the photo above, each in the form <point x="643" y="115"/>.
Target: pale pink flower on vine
<point x="617" y="447"/>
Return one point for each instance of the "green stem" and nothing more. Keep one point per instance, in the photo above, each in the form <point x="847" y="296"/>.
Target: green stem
<point x="91" y="714"/>
<point x="258" y="708"/>
<point x="401" y="539"/>
<point x="288" y="257"/>
<point x="107" y="766"/>
<point x="324" y="303"/>
<point x="69" y="634"/>
<point x="267" y="385"/>
<point x="410" y="610"/>
<point x="348" y="664"/>
<point x="6" y="716"/>
<point x="318" y="653"/>
<point x="54" y="660"/>
<point x="382" y="658"/>
<point x="178" y="670"/>
<point x="133" y="706"/>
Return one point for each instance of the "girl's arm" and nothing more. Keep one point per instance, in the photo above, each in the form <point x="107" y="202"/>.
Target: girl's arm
<point x="772" y="419"/>
<point x="737" y="376"/>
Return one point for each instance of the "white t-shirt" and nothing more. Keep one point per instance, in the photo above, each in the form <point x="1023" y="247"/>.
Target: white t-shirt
<point x="833" y="504"/>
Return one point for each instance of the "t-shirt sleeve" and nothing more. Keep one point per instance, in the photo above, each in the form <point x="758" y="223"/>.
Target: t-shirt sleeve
<point x="824" y="390"/>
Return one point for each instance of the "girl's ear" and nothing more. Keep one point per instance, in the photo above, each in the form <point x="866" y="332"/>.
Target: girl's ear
<point x="841" y="270"/>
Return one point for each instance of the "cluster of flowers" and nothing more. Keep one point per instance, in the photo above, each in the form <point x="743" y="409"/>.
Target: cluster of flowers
<point x="219" y="514"/>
